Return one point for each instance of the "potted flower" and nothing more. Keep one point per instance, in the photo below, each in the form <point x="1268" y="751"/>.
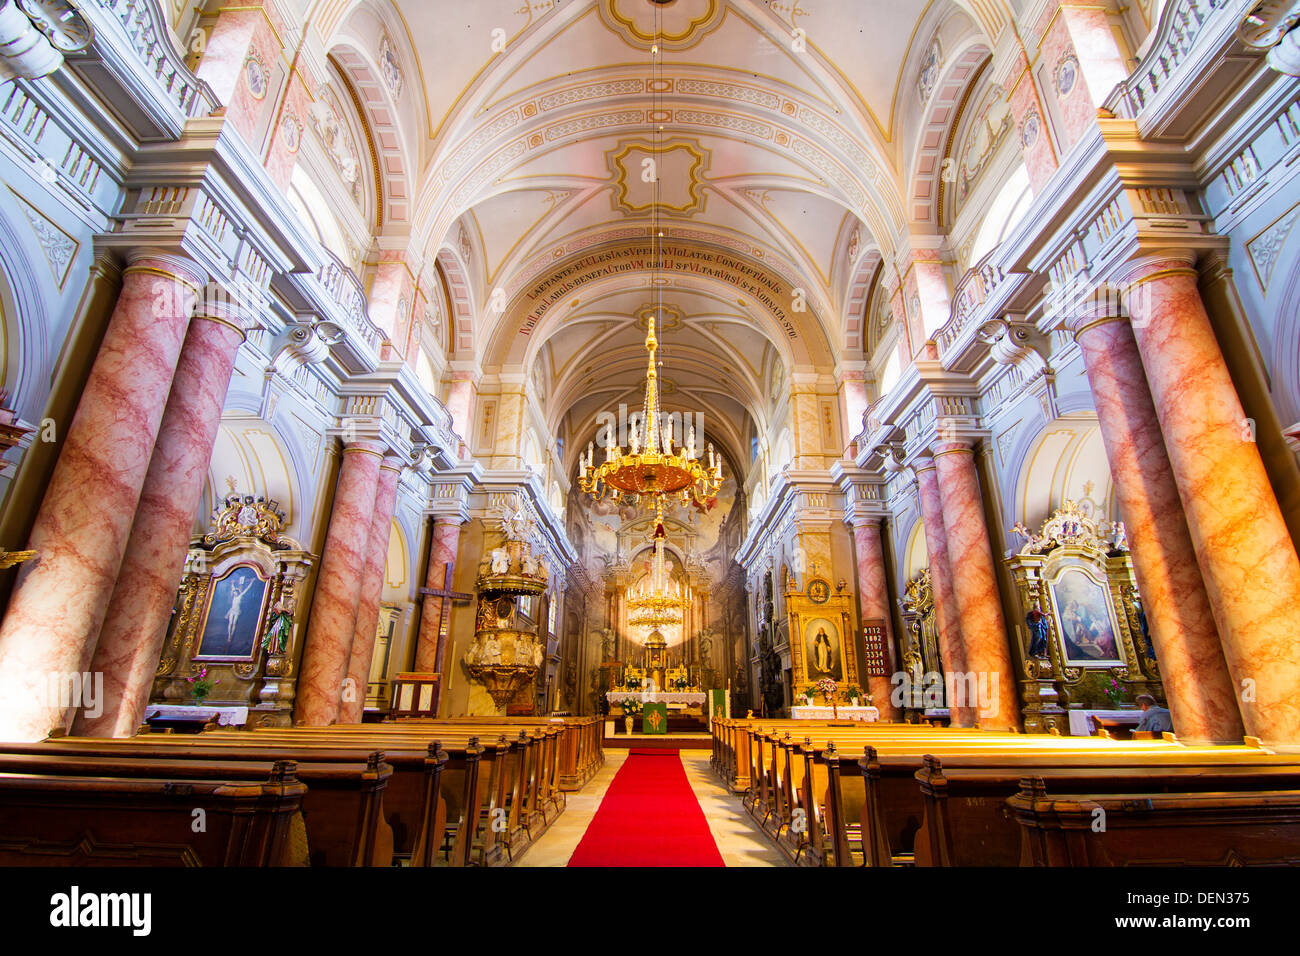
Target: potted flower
<point x="827" y="688"/>
<point x="1113" y="692"/>
<point x="808" y="693"/>
<point x="854" y="693"/>
<point x="631" y="707"/>
<point x="201" y="685"/>
<point x="681" y="683"/>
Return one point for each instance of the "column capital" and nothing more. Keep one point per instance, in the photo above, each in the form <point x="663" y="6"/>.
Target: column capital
<point x="167" y="265"/>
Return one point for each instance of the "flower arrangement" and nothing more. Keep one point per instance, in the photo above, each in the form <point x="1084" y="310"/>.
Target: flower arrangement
<point x="631" y="706"/>
<point x="1113" y="692"/>
<point x="827" y="687"/>
<point x="853" y="692"/>
<point x="201" y="685"/>
<point x="681" y="683"/>
<point x="809" y="692"/>
<point x="633" y="683"/>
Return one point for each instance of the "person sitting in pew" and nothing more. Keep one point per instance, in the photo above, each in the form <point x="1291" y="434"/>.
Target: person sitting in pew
<point x="1154" y="718"/>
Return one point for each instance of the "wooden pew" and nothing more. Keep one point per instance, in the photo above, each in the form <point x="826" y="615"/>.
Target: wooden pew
<point x="967" y="822"/>
<point x="880" y="791"/>
<point x="342" y="810"/>
<point x="65" y="820"/>
<point x="540" y="799"/>
<point x="1217" y="828"/>
<point x="581" y="748"/>
<point x="406" y="796"/>
<point x="533" y="756"/>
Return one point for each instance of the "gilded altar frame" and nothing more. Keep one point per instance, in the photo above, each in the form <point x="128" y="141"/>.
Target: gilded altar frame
<point x="245" y="533"/>
<point x="820" y="604"/>
<point x="1093" y="555"/>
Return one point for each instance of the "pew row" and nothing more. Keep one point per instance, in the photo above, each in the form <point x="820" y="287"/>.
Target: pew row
<point x="61" y="820"/>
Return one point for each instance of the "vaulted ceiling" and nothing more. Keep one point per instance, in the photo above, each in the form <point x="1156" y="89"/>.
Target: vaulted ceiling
<point x="777" y="127"/>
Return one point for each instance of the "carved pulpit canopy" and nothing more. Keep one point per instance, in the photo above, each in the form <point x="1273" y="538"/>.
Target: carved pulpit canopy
<point x="1082" y="633"/>
<point x="234" y="632"/>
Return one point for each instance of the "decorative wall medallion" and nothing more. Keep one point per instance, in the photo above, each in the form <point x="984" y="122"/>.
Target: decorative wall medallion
<point x="1029" y="130"/>
<point x="291" y="131"/>
<point x="819" y="590"/>
<point x="390" y="66"/>
<point x="1067" y="72"/>
<point x="930" y="67"/>
<point x="256" y="76"/>
<point x="669" y="318"/>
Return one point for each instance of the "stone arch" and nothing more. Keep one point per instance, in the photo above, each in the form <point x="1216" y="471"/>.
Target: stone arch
<point x="25" y="321"/>
<point x="1054" y="461"/>
<point x="460" y="294"/>
<point x="263" y="460"/>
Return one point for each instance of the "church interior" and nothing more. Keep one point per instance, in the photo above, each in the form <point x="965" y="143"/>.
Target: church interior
<point x="788" y="433"/>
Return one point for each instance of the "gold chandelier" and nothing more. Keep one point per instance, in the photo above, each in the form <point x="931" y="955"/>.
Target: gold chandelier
<point x="652" y="468"/>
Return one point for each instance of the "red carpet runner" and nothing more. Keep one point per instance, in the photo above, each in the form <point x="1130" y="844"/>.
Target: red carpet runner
<point x="649" y="817"/>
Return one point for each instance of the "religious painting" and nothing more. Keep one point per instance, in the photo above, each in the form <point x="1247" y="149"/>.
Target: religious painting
<point x="823" y="651"/>
<point x="1084" y="620"/>
<point x="232" y="622"/>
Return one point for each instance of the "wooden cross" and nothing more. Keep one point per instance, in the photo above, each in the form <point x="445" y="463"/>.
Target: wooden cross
<point x="444" y="623"/>
<point x="445" y="591"/>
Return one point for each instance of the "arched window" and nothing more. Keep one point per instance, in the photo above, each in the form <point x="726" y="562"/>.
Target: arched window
<point x="314" y="211"/>
<point x="1004" y="214"/>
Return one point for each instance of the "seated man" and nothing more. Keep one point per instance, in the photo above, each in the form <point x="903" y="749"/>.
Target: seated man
<point x="1154" y="718"/>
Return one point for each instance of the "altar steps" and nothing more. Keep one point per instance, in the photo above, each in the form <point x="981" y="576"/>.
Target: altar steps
<point x="660" y="741"/>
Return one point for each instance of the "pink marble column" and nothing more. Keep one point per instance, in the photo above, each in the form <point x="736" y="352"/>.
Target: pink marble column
<point x="873" y="601"/>
<point x="1192" y="668"/>
<point x="84" y="522"/>
<point x="947" y="619"/>
<point x="328" y="649"/>
<point x="135" y="625"/>
<point x="431" y="647"/>
<point x="372" y="588"/>
<point x="1247" y="558"/>
<point x="983" y="629"/>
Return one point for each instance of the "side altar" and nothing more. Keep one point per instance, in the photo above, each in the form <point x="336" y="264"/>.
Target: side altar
<point x="234" y="641"/>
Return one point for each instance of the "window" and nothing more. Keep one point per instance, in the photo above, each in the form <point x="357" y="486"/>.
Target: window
<point x="1004" y="214"/>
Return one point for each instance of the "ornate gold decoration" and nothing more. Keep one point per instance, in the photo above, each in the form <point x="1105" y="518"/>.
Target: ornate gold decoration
<point x="1075" y="541"/>
<point x="246" y="516"/>
<point x="9" y="558"/>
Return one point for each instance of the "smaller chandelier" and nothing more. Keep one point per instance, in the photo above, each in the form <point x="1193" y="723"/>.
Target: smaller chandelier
<point x="656" y="603"/>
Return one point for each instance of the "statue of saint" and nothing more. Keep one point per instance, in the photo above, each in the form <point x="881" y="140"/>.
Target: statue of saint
<point x="279" y="628"/>
<point x="500" y="561"/>
<point x="1036" y="620"/>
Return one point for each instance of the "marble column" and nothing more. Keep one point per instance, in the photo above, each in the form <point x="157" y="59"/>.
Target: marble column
<point x="946" y="616"/>
<point x="135" y="624"/>
<point x="430" y="649"/>
<point x="983" y="629"/>
<point x="328" y="649"/>
<point x="82" y="527"/>
<point x="1192" y="668"/>
<point x="873" y="599"/>
<point x="1246" y="555"/>
<point x="372" y="588"/>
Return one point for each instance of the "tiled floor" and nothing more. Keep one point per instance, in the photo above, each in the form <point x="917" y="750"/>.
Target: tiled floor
<point x="739" y="840"/>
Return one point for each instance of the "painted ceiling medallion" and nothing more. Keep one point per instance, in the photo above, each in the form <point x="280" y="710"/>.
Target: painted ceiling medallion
<point x="669" y="317"/>
<point x="682" y="23"/>
<point x="679" y="164"/>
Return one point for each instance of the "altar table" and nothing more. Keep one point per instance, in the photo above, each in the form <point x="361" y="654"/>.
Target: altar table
<point x="1081" y="726"/>
<point x="686" y="698"/>
<point x="843" y="712"/>
<point x="226" y="716"/>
